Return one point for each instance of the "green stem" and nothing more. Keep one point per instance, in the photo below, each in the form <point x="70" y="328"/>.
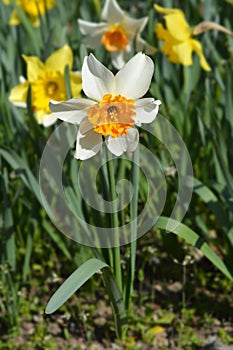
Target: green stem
<point x="121" y="174"/>
<point x="135" y="174"/>
<point x="114" y="221"/>
<point x="117" y="303"/>
<point x="106" y="191"/>
<point x="183" y="289"/>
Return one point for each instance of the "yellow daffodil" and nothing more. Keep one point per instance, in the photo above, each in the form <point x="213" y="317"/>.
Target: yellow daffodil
<point x="114" y="106"/>
<point x="47" y="83"/>
<point x="178" y="38"/>
<point x="32" y="8"/>
<point x="116" y="34"/>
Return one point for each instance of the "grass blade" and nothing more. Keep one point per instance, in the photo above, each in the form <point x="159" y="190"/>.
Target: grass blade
<point x="73" y="283"/>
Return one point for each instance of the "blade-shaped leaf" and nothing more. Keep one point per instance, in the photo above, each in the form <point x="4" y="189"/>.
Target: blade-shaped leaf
<point x="117" y="301"/>
<point x="8" y="233"/>
<point x="211" y="200"/>
<point x="73" y="283"/>
<point x="194" y="239"/>
<point x="22" y="170"/>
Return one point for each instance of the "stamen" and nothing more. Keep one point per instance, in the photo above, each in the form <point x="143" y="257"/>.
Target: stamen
<point x="113" y="113"/>
<point x="51" y="88"/>
<point x="112" y="116"/>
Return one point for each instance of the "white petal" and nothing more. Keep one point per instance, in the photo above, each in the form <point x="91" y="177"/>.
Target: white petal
<point x="48" y="120"/>
<point x="134" y="79"/>
<point x="112" y="12"/>
<point x="88" y="142"/>
<point x="146" y="110"/>
<point x="22" y="79"/>
<point x="20" y="104"/>
<point x="118" y="59"/>
<point x="132" y="138"/>
<point x="93" y="32"/>
<point x="141" y="45"/>
<point x="123" y="143"/>
<point x="88" y="28"/>
<point x="97" y="80"/>
<point x="93" y="41"/>
<point x="71" y="111"/>
<point x="134" y="26"/>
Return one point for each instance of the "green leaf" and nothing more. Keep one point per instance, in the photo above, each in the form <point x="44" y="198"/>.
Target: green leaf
<point x="56" y="237"/>
<point x="73" y="283"/>
<point x="195" y="240"/>
<point x="27" y="26"/>
<point x="22" y="170"/>
<point x="212" y="202"/>
<point x="8" y="234"/>
<point x="166" y="319"/>
<point x="67" y="82"/>
<point x="117" y="302"/>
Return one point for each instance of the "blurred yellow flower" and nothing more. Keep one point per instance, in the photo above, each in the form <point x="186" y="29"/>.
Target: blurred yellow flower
<point x="178" y="38"/>
<point x="32" y="8"/>
<point x="47" y="83"/>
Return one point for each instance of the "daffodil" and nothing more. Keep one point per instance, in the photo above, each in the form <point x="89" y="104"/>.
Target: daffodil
<point x="178" y="38"/>
<point x="47" y="82"/>
<point x="116" y="33"/>
<point x="114" y="108"/>
<point x="32" y="8"/>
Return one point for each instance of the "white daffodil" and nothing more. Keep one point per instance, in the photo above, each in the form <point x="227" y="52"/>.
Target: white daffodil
<point x="114" y="108"/>
<point x="117" y="33"/>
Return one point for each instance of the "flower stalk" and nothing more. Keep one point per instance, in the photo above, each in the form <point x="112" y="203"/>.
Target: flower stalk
<point x="114" y="221"/>
<point x="135" y="176"/>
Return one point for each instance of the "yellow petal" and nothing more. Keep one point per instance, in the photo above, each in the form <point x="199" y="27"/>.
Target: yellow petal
<point x="165" y="10"/>
<point x="35" y="21"/>
<point x="50" y="4"/>
<point x="14" y="19"/>
<point x="44" y="118"/>
<point x="184" y="52"/>
<point x="177" y="26"/>
<point x="169" y="42"/>
<point x="19" y="93"/>
<point x="34" y="67"/>
<point x="161" y="32"/>
<point x="198" y="49"/>
<point x="60" y="58"/>
<point x="76" y="84"/>
<point x="175" y="22"/>
<point x="39" y="114"/>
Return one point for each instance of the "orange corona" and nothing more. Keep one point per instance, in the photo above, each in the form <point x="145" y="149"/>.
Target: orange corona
<point x="112" y="116"/>
<point x="115" y="39"/>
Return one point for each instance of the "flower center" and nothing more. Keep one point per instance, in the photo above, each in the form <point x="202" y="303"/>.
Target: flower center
<point x="112" y="116"/>
<point x="51" y="88"/>
<point x="115" y="39"/>
<point x="48" y="86"/>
